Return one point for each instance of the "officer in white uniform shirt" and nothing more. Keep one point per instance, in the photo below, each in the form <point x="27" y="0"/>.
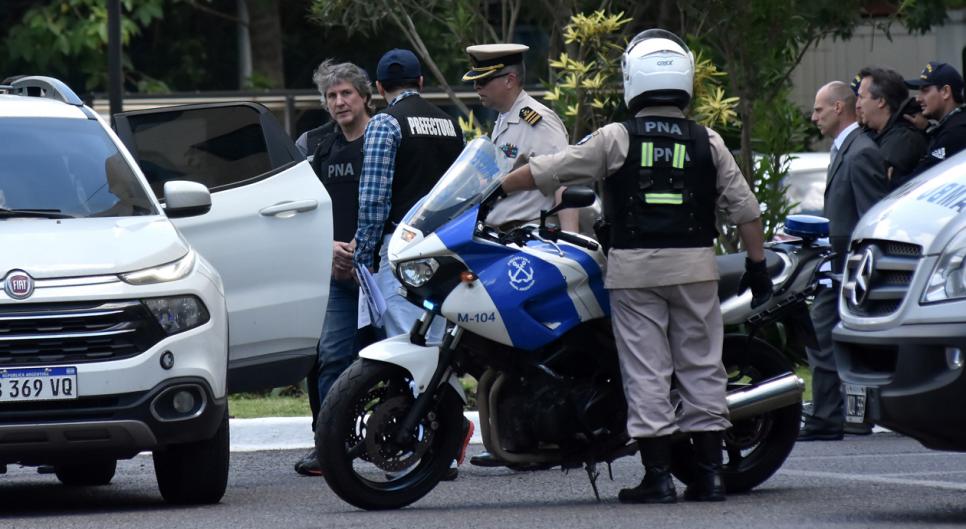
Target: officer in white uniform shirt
<point x="524" y="128"/>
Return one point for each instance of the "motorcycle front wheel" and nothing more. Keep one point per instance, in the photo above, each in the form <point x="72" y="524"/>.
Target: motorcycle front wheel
<point x="356" y="437"/>
<point x="756" y="447"/>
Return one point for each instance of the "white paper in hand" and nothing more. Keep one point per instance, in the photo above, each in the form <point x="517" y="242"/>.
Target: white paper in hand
<point x="368" y="289"/>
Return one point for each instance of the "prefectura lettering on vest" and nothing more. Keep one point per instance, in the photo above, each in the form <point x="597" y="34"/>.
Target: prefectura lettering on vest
<point x="431" y="126"/>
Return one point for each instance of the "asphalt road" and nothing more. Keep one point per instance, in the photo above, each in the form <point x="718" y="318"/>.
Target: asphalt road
<point x="878" y="481"/>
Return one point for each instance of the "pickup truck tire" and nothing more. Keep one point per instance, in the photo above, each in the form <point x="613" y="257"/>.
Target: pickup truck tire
<point x="86" y="474"/>
<point x="194" y="473"/>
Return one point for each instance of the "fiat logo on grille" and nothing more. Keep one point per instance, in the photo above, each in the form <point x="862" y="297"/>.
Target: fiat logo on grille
<point x="18" y="284"/>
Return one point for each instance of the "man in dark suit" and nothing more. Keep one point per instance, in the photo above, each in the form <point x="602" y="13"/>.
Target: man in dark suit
<point x="856" y="181"/>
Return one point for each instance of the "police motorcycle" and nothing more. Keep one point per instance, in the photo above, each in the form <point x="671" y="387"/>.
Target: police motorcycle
<point x="528" y="316"/>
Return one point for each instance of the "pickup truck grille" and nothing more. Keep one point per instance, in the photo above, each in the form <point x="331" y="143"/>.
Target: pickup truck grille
<point x="71" y="333"/>
<point x="877" y="276"/>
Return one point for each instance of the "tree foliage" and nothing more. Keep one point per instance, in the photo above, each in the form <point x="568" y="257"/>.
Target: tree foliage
<point x="67" y="35"/>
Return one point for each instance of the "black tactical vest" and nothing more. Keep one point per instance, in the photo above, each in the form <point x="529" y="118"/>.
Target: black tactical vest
<point x="339" y="164"/>
<point x="431" y="141"/>
<point x="664" y="194"/>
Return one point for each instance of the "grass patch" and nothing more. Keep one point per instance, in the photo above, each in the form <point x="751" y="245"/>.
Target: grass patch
<point x="249" y="405"/>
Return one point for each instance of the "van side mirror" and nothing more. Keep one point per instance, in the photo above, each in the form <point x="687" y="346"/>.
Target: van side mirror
<point x="185" y="199"/>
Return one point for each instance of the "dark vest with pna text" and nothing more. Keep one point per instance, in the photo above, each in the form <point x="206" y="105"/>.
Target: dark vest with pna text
<point x="664" y="194"/>
<point x="431" y="142"/>
<point x="338" y="164"/>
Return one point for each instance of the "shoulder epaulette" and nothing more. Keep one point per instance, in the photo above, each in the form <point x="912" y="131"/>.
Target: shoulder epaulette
<point x="530" y="115"/>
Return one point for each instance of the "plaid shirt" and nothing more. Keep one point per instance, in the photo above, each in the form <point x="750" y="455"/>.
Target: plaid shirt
<point x="382" y="138"/>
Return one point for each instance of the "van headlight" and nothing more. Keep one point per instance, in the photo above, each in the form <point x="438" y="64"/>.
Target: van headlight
<point x="417" y="272"/>
<point x="948" y="281"/>
<point x="177" y="314"/>
<point x="172" y="271"/>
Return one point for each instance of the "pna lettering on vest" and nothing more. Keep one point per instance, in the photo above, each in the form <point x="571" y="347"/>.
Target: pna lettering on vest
<point x="341" y="169"/>
<point x="662" y="127"/>
<point x="952" y="196"/>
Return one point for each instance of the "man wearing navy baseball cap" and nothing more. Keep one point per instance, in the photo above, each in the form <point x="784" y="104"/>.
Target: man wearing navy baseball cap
<point x="406" y="150"/>
<point x="941" y="97"/>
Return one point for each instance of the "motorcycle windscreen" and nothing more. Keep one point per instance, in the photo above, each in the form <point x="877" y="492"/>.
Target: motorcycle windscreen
<point x="474" y="175"/>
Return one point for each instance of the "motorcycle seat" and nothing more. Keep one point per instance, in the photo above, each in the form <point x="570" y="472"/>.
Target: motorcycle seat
<point x="732" y="266"/>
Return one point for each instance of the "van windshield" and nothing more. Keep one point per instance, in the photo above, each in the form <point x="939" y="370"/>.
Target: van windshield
<point x="67" y="166"/>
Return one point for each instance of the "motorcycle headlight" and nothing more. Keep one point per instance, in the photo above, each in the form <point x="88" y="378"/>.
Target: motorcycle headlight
<point x="177" y="314"/>
<point x="417" y="272"/>
<point x="162" y="274"/>
<point x="948" y="281"/>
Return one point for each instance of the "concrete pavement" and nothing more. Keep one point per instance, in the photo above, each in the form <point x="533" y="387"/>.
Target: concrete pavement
<point x="284" y="433"/>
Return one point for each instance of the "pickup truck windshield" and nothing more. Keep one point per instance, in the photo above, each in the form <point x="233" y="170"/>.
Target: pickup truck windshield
<point x="67" y="167"/>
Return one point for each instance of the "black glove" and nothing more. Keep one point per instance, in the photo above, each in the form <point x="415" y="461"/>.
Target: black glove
<point x="756" y="277"/>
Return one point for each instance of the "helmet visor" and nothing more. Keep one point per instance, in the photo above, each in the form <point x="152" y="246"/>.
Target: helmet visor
<point x="657" y="34"/>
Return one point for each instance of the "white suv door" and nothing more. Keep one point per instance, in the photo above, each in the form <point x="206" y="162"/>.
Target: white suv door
<point x="269" y="231"/>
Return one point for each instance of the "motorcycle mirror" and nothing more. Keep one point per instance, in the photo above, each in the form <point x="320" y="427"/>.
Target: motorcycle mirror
<point x="573" y="197"/>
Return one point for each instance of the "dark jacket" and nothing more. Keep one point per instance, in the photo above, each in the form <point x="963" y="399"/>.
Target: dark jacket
<point x="945" y="139"/>
<point x="902" y="146"/>
<point x="856" y="181"/>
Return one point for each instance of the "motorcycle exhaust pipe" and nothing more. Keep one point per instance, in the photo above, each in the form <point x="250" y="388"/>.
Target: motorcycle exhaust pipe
<point x="772" y="394"/>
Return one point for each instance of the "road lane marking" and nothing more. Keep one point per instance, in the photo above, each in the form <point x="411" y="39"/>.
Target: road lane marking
<point x="875" y="478"/>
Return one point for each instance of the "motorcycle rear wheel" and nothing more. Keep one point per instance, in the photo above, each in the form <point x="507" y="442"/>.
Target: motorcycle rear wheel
<point x="754" y="448"/>
<point x="355" y="435"/>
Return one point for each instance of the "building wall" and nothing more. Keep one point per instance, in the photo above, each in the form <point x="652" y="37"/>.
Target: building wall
<point x="835" y="59"/>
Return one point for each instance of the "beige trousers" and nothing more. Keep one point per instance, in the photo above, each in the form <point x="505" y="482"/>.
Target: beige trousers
<point x="664" y="332"/>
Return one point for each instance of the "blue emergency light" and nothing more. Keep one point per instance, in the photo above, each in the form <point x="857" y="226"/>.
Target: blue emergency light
<point x="807" y="227"/>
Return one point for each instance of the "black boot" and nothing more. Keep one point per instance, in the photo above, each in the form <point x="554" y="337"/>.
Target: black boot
<point x="707" y="484"/>
<point x="657" y="485"/>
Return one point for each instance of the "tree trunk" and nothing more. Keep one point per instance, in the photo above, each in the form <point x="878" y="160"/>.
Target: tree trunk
<point x="265" y="30"/>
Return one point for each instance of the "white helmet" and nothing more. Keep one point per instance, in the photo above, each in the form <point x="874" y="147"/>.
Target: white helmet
<point x="658" y="70"/>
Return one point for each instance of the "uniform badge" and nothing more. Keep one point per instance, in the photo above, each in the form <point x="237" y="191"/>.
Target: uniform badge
<point x="530" y="115"/>
<point x="510" y="150"/>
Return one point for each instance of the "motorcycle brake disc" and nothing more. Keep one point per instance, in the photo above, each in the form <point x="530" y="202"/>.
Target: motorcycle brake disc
<point x="381" y="428"/>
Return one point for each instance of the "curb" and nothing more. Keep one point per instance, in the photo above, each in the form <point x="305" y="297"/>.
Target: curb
<point x="290" y="433"/>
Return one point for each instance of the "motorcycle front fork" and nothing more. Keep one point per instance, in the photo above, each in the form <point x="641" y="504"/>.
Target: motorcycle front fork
<point x="417" y="335"/>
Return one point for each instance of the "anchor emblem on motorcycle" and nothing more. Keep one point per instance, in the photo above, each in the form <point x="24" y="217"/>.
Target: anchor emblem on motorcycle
<point x="520" y="273"/>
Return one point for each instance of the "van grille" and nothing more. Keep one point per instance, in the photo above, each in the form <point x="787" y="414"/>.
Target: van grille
<point x="878" y="275"/>
<point x="71" y="333"/>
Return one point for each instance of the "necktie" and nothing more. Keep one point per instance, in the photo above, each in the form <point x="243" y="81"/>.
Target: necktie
<point x="832" y="154"/>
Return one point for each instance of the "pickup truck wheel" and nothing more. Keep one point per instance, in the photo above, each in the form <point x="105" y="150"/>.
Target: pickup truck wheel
<point x="86" y="474"/>
<point x="194" y="473"/>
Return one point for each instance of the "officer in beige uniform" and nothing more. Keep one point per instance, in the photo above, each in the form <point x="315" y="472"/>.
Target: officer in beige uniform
<point x="665" y="176"/>
<point x="525" y="127"/>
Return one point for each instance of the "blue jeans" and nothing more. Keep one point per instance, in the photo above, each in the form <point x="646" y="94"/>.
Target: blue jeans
<point x="340" y="342"/>
<point x="400" y="312"/>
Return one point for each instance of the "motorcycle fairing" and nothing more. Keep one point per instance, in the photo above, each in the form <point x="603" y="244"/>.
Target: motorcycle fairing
<point x="419" y="360"/>
<point x="536" y="295"/>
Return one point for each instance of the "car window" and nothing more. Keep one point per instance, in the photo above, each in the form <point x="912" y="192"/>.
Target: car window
<point x="69" y="166"/>
<point x="218" y="147"/>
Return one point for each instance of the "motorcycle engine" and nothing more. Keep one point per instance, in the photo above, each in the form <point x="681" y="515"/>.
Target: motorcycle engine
<point x="538" y="411"/>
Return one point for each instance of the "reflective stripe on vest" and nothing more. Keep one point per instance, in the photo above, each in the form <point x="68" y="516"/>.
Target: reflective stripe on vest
<point x="675" y="199"/>
<point x="647" y="154"/>
<point x="679" y="151"/>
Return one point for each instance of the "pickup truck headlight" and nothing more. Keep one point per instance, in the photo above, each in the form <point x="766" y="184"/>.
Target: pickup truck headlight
<point x="948" y="281"/>
<point x="417" y="272"/>
<point x="172" y="271"/>
<point x="178" y="314"/>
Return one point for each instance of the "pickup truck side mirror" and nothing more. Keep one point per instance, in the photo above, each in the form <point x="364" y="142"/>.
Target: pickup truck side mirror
<point x="186" y="199"/>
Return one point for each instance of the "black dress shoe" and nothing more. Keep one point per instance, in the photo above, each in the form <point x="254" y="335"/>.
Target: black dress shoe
<point x="451" y="474"/>
<point x="857" y="428"/>
<point x="815" y="434"/>
<point x="486" y="459"/>
<point x="309" y="464"/>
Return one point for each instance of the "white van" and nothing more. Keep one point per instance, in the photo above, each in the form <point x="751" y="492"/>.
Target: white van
<point x="900" y="346"/>
<point x="124" y="323"/>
